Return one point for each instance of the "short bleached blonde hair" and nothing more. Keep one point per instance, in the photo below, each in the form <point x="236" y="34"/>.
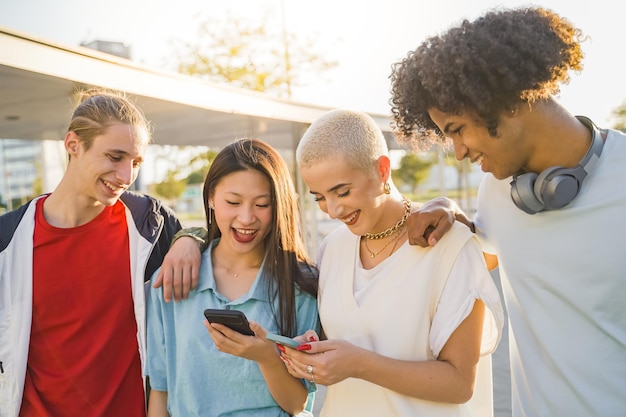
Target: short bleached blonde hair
<point x="353" y="134"/>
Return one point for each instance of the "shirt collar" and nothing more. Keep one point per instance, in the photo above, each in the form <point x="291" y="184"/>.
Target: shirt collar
<point x="206" y="279"/>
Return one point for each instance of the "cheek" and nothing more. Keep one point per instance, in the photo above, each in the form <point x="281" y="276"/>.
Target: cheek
<point x="322" y="206"/>
<point x="266" y="217"/>
<point x="223" y="214"/>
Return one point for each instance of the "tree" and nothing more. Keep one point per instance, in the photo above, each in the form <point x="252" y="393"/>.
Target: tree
<point x="172" y="188"/>
<point x="412" y="170"/>
<point x="250" y="55"/>
<point x="201" y="163"/>
<point x="179" y="176"/>
<point x="619" y="115"/>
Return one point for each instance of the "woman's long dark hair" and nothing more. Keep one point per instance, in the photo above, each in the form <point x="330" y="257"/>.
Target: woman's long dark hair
<point x="286" y="261"/>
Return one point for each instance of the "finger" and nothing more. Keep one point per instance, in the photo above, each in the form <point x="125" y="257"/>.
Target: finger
<point x="437" y="232"/>
<point x="195" y="273"/>
<point x="166" y="283"/>
<point x="258" y="329"/>
<point x="311" y="336"/>
<point x="417" y="240"/>
<point x="416" y="230"/>
<point x="215" y="333"/>
<point x="159" y="279"/>
<point x="177" y="283"/>
<point x="308" y="336"/>
<point x="185" y="283"/>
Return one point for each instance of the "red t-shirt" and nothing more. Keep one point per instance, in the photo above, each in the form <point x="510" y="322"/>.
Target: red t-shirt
<point x="83" y="358"/>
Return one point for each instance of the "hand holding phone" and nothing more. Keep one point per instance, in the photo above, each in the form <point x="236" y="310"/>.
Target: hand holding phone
<point x="233" y="319"/>
<point x="282" y="340"/>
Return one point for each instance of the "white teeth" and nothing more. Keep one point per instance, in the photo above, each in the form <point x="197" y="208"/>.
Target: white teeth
<point x="479" y="160"/>
<point x="245" y="231"/>
<point x="111" y="186"/>
<point x="350" y="219"/>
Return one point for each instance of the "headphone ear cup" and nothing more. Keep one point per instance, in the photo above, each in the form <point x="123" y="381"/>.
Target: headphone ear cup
<point x="523" y="195"/>
<point x="556" y="187"/>
<point x="539" y="186"/>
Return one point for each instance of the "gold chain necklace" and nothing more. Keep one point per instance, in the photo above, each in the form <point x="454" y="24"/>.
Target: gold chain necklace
<point x="393" y="229"/>
<point x="373" y="254"/>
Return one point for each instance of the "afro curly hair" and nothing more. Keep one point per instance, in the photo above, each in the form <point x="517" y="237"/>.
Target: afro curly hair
<point x="484" y="67"/>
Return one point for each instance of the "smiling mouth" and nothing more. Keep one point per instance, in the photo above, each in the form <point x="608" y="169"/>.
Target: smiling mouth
<point x="351" y="219"/>
<point x="478" y="160"/>
<point x="244" y="235"/>
<point x="112" y="187"/>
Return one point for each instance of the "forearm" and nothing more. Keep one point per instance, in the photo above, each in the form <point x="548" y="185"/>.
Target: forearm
<point x="287" y="391"/>
<point x="157" y="404"/>
<point x="199" y="234"/>
<point x="431" y="380"/>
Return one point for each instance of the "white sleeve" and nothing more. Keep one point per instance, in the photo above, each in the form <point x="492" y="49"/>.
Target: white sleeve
<point x="469" y="280"/>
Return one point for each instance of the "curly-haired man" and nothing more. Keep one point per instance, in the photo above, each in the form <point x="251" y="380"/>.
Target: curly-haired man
<point x="551" y="206"/>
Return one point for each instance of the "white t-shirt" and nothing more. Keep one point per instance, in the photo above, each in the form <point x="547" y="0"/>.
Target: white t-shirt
<point x="563" y="275"/>
<point x="406" y="308"/>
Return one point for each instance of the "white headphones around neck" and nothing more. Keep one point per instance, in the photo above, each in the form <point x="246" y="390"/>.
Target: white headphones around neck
<point x="556" y="187"/>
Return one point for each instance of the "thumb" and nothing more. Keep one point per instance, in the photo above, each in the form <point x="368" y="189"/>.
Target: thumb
<point x="257" y="329"/>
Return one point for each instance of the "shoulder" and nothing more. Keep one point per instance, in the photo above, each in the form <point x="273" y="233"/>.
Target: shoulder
<point x="9" y="222"/>
<point x="458" y="235"/>
<point x="615" y="141"/>
<point x="335" y="240"/>
<point x="139" y="202"/>
<point x="142" y="205"/>
<point x="340" y="234"/>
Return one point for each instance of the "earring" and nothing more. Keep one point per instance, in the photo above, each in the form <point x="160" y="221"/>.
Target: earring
<point x="387" y="188"/>
<point x="210" y="213"/>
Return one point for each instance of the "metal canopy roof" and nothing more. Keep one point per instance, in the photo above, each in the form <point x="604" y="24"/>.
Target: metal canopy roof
<point x="38" y="79"/>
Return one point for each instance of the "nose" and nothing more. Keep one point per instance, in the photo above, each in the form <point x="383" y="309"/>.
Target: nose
<point x="333" y="208"/>
<point x="126" y="173"/>
<point x="460" y="150"/>
<point x="246" y="214"/>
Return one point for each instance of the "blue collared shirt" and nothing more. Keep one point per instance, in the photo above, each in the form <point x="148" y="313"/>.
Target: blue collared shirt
<point x="183" y="360"/>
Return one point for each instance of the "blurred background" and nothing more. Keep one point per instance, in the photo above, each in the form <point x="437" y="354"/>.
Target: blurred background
<point x="208" y="72"/>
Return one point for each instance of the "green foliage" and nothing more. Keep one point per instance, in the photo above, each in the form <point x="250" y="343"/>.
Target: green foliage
<point x="172" y="188"/>
<point x="176" y="180"/>
<point x="202" y="162"/>
<point x="250" y="55"/>
<point x="619" y="115"/>
<point x="196" y="177"/>
<point x="412" y="170"/>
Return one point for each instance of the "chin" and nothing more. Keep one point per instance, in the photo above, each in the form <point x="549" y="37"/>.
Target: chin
<point x="500" y="175"/>
<point x="109" y="201"/>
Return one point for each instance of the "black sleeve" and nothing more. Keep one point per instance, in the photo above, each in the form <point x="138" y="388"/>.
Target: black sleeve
<point x="171" y="225"/>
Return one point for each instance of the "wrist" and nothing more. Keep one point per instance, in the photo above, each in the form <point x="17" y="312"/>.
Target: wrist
<point x="199" y="234"/>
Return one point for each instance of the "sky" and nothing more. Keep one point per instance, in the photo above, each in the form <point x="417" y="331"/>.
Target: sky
<point x="365" y="37"/>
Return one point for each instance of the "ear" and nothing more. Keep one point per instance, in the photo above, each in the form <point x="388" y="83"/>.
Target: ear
<point x="383" y="167"/>
<point x="72" y="143"/>
<point x="512" y="110"/>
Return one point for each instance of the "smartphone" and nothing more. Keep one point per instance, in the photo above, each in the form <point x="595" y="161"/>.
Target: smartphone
<point x="233" y="319"/>
<point x="282" y="340"/>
